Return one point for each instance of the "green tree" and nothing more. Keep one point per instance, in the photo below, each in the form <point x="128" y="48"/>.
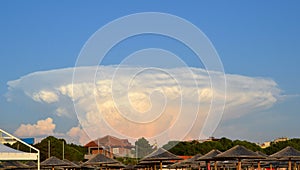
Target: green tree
<point x="72" y="152"/>
<point x="142" y="147"/>
<point x="275" y="147"/>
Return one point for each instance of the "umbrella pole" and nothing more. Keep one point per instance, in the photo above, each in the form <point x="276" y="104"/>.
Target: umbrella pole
<point x="258" y="165"/>
<point x="160" y="165"/>
<point x="215" y="166"/>
<point x="290" y="164"/>
<point x="240" y="165"/>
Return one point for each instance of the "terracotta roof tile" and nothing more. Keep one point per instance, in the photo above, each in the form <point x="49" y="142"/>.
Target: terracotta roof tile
<point x="110" y="141"/>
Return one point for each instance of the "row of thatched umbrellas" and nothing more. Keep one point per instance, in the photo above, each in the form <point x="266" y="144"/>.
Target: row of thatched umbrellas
<point x="238" y="153"/>
<point x="16" y="164"/>
<point x="97" y="161"/>
<point x="231" y="157"/>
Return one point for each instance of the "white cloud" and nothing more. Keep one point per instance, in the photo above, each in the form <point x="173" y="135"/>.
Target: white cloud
<point x="161" y="105"/>
<point x="45" y="96"/>
<point x="61" y="111"/>
<point x="41" y="128"/>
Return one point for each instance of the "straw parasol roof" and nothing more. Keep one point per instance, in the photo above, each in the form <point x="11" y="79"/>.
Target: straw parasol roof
<point x="193" y="159"/>
<point x="13" y="165"/>
<point x="70" y="164"/>
<point x="53" y="161"/>
<point x="210" y="155"/>
<point x="143" y="162"/>
<point x="100" y="159"/>
<point x="116" y="165"/>
<point x="161" y="155"/>
<point x="129" y="167"/>
<point x="261" y="154"/>
<point x="239" y="152"/>
<point x="288" y="152"/>
<point x="31" y="164"/>
<point x="191" y="162"/>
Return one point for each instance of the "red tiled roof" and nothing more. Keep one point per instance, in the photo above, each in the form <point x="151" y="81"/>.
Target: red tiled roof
<point x="110" y="141"/>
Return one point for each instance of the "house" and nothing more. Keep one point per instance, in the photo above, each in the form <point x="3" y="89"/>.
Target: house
<point x="282" y="139"/>
<point x="110" y="146"/>
<point x="265" y="145"/>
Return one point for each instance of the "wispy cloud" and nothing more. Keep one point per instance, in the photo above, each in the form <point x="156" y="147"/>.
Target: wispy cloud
<point x="132" y="102"/>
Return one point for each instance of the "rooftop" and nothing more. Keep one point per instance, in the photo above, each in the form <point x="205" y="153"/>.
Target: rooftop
<point x="110" y="141"/>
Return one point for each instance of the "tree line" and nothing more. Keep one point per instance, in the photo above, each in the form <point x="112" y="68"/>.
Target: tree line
<point x="75" y="152"/>
<point x="223" y="144"/>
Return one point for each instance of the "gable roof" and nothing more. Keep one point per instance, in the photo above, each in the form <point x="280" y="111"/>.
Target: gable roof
<point x="53" y="161"/>
<point x="110" y="141"/>
<point x="187" y="162"/>
<point x="210" y="155"/>
<point x="288" y="152"/>
<point x="239" y="152"/>
<point x="100" y="159"/>
<point x="161" y="154"/>
<point x="13" y="165"/>
<point x="70" y="164"/>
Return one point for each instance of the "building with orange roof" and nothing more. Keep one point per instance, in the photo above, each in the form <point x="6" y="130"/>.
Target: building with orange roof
<point x="110" y="146"/>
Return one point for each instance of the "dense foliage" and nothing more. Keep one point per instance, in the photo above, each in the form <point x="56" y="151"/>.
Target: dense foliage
<point x="275" y="147"/>
<point x="195" y="147"/>
<point x="71" y="151"/>
<point x="143" y="147"/>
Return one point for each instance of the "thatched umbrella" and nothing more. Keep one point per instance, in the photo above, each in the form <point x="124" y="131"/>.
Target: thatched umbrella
<point x="209" y="157"/>
<point x="160" y="155"/>
<point x="115" y="166"/>
<point x="13" y="165"/>
<point x="31" y="164"/>
<point x="239" y="152"/>
<point x="70" y="165"/>
<point x="287" y="153"/>
<point x="100" y="160"/>
<point x="192" y="161"/>
<point x="129" y="167"/>
<point x="148" y="164"/>
<point x="261" y="154"/>
<point x="250" y="162"/>
<point x="53" y="162"/>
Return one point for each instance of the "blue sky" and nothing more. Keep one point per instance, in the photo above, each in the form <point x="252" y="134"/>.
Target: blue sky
<point x="253" y="39"/>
